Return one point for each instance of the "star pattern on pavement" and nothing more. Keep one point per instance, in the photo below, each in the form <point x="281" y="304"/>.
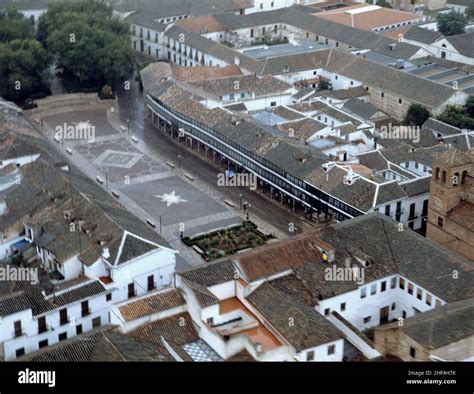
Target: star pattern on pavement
<point x="171" y="198"/>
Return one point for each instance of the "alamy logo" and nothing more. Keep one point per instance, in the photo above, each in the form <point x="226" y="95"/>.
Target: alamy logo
<point x="9" y="273"/>
<point x="78" y="131"/>
<point x="345" y="274"/>
<point x="230" y="178"/>
<point x="391" y="132"/>
<point x="37" y="377"/>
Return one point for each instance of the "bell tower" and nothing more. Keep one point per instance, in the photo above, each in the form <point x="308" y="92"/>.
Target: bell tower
<point x="450" y="213"/>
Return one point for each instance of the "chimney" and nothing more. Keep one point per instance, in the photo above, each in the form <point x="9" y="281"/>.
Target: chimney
<point x="237" y="61"/>
<point x="105" y="252"/>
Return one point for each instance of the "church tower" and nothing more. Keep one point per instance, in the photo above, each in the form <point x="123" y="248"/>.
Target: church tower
<point x="451" y="204"/>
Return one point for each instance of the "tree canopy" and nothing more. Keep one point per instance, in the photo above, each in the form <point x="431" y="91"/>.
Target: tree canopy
<point x="23" y="60"/>
<point x="451" y="23"/>
<point x="461" y="116"/>
<point x="14" y="26"/>
<point x="23" y="69"/>
<point x="88" y="41"/>
<point x="416" y="115"/>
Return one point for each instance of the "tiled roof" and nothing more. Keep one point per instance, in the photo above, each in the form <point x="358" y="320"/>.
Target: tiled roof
<point x="310" y="329"/>
<point x="361" y="108"/>
<point x="406" y="252"/>
<point x="100" y="345"/>
<point x="265" y="86"/>
<point x="193" y="74"/>
<point x="204" y="297"/>
<point x="463" y="43"/>
<point x="178" y="329"/>
<point x="278" y="257"/>
<point x="435" y="125"/>
<point x="243" y="356"/>
<point x="409" y="86"/>
<point x="211" y="274"/>
<point x="14" y="303"/>
<point x="134" y="247"/>
<point x="439" y="327"/>
<point x="416" y="187"/>
<point x="148" y="305"/>
<point x="370" y="19"/>
<point x="63" y="298"/>
<point x="419" y="34"/>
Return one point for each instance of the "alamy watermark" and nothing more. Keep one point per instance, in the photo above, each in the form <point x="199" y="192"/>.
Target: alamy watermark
<point x="11" y="273"/>
<point x="345" y="274"/>
<point x="78" y="131"/>
<point x="229" y="179"/>
<point x="391" y="132"/>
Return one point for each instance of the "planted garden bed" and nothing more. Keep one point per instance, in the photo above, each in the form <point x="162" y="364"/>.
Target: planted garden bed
<point x="228" y="241"/>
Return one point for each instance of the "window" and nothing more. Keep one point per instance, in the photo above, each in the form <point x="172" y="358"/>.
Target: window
<point x="108" y="297"/>
<point x="373" y="289"/>
<point x="410" y="288"/>
<point x="18" y="330"/>
<point x="42" y="344"/>
<point x="382" y="95"/>
<point x="20" y="352"/>
<point x="402" y="284"/>
<point x="210" y="321"/>
<point x="331" y="349"/>
<point x="404" y="314"/>
<point x="63" y="319"/>
<point x="440" y="221"/>
<point x="399" y="101"/>
<point x="387" y="210"/>
<point x="383" y="286"/>
<point x="327" y="311"/>
<point x="343" y="307"/>
<point x="131" y="290"/>
<point x="96" y="322"/>
<point x="310" y="356"/>
<point x="62" y="337"/>
<point x="79" y="329"/>
<point x="85" y="310"/>
<point x="394" y="305"/>
<point x="151" y="283"/>
<point x="428" y="300"/>
<point x="419" y="293"/>
<point x="412" y="352"/>
<point x="42" y="325"/>
<point x="393" y="283"/>
<point x="367" y="319"/>
<point x="363" y="292"/>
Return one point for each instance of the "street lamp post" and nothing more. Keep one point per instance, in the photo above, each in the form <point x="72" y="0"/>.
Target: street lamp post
<point x="179" y="162"/>
<point x="248" y="212"/>
<point x="128" y="126"/>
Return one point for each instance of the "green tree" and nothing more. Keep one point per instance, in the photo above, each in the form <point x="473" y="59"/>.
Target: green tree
<point x="416" y="115"/>
<point x="14" y="26"/>
<point x="470" y="9"/>
<point x="458" y="115"/>
<point x="324" y="85"/>
<point x="470" y="106"/>
<point x="23" y="69"/>
<point x="451" y="23"/>
<point x="89" y="43"/>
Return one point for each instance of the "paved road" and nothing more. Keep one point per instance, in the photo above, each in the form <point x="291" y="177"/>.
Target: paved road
<point x="131" y="108"/>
